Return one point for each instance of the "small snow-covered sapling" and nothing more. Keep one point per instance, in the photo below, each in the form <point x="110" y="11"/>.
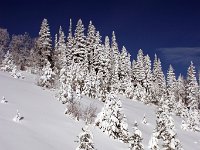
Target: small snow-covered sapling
<point x="3" y="100"/>
<point x="144" y="121"/>
<point x="18" y="117"/>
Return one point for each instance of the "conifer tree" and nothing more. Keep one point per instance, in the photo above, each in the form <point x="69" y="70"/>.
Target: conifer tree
<point x="112" y="120"/>
<point x="47" y="78"/>
<point x="171" y="88"/>
<point x="7" y="63"/>
<point x="135" y="140"/>
<point x="91" y="44"/>
<point x="115" y="64"/>
<point x="191" y="88"/>
<point x="60" y="52"/>
<point x="85" y="140"/>
<point x="69" y="45"/>
<point x="159" y="83"/>
<point x="148" y="81"/>
<point x="44" y="44"/>
<point x="80" y="43"/>
<point x="192" y="99"/>
<point x="165" y="129"/>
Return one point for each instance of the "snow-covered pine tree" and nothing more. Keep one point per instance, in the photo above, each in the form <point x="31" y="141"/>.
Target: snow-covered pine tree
<point x="114" y="64"/>
<point x="80" y="43"/>
<point x="148" y="81"/>
<point x="44" y="44"/>
<point x="91" y="45"/>
<point x="112" y="120"/>
<point x="89" y="88"/>
<point x="171" y="88"/>
<point x="159" y="83"/>
<point x="59" y="56"/>
<point x="4" y="41"/>
<point x="124" y="70"/>
<point x="192" y="99"/>
<point x="7" y="63"/>
<point x="47" y="78"/>
<point x="135" y="140"/>
<point x="165" y="129"/>
<point x="191" y="88"/>
<point x="69" y="45"/>
<point x="181" y="109"/>
<point x="139" y="77"/>
<point x="66" y="91"/>
<point x="85" y="140"/>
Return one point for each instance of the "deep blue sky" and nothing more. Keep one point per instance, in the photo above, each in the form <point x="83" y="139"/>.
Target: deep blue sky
<point x="170" y="28"/>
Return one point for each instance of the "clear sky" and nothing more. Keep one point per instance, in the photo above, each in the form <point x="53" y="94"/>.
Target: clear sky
<point x="170" y="28"/>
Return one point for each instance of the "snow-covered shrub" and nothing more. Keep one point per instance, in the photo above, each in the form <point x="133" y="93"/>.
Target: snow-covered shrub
<point x="85" y="140"/>
<point x="7" y="63"/>
<point x="89" y="114"/>
<point x="74" y="110"/>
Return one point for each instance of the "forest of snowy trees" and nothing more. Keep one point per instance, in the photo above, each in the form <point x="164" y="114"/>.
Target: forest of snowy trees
<point x="83" y="64"/>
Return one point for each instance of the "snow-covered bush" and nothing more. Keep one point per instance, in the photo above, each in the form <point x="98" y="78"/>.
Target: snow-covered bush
<point x="89" y="114"/>
<point x="85" y="140"/>
<point x="74" y="110"/>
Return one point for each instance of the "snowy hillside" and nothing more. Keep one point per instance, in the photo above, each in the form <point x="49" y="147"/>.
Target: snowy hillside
<point x="45" y="127"/>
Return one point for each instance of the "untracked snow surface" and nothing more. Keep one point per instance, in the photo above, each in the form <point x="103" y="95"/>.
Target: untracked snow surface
<point x="44" y="126"/>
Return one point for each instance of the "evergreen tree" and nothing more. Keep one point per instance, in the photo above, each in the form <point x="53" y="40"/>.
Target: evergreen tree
<point x="60" y="52"/>
<point x="66" y="91"/>
<point x="7" y="63"/>
<point x="192" y="99"/>
<point x="171" y="88"/>
<point x="159" y="83"/>
<point x="4" y="41"/>
<point x="139" y="78"/>
<point x="112" y="120"/>
<point x="69" y="45"/>
<point x="85" y="140"/>
<point x="148" y="81"/>
<point x="192" y="88"/>
<point x="44" y="44"/>
<point x="80" y="44"/>
<point x="181" y="109"/>
<point x="91" y="45"/>
<point x="124" y="70"/>
<point x="47" y="78"/>
<point x="115" y="64"/>
<point x="135" y="140"/>
<point x="165" y="129"/>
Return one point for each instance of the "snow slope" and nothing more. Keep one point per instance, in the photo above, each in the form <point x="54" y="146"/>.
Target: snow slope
<point x="45" y="127"/>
